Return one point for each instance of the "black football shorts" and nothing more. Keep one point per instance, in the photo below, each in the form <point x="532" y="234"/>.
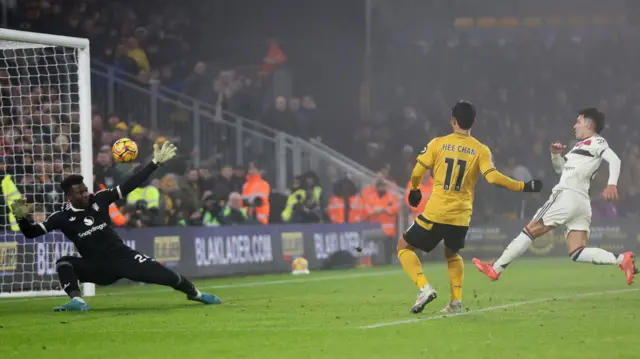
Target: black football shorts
<point x="427" y="239"/>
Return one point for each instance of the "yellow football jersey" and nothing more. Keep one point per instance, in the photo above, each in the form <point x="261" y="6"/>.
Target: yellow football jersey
<point x="456" y="159"/>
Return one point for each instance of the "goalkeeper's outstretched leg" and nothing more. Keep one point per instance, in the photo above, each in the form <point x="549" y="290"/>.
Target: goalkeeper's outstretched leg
<point x="132" y="265"/>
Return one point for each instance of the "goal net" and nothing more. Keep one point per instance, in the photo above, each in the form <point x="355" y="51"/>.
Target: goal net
<point x="45" y="104"/>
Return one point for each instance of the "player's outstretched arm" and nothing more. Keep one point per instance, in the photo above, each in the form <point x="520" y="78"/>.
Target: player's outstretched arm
<point x="415" y="196"/>
<point x="557" y="159"/>
<point x="424" y="161"/>
<point x="495" y="177"/>
<point x="21" y="209"/>
<point x="611" y="192"/>
<point x="161" y="155"/>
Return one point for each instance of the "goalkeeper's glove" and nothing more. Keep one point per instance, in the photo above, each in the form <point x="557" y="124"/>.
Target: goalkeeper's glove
<point x="532" y="186"/>
<point x="415" y="196"/>
<point x="163" y="154"/>
<point x="20" y="208"/>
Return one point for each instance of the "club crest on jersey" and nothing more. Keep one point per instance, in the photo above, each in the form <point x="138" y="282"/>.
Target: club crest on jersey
<point x="88" y="221"/>
<point x="95" y="207"/>
<point x="582" y="143"/>
<point x="72" y="219"/>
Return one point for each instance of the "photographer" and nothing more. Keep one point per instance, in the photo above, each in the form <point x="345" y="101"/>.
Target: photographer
<point x="296" y="197"/>
<point x="304" y="203"/>
<point x="139" y="215"/>
<point x="256" y="192"/>
<point x="233" y="213"/>
<point x="210" y="211"/>
<point x="253" y="206"/>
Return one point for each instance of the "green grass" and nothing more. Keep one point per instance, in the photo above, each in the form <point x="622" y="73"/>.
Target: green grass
<point x="320" y="315"/>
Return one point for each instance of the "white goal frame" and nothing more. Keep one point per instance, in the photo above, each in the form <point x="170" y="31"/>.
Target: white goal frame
<point x="84" y="91"/>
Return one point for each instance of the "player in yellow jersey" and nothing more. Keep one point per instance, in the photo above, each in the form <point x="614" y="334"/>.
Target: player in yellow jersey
<point x="456" y="160"/>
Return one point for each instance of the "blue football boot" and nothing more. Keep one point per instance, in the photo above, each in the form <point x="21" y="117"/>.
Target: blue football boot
<point x="206" y="298"/>
<point x="74" y="305"/>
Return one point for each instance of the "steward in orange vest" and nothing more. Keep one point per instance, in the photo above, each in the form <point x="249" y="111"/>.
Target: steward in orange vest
<point x="255" y="193"/>
<point x="382" y="206"/>
<point x="345" y="205"/>
<point x="116" y="216"/>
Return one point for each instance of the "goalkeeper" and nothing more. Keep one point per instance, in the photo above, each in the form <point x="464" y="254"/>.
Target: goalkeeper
<point x="85" y="221"/>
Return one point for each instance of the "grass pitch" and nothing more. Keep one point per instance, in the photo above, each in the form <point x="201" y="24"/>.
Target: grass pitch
<point x="550" y="308"/>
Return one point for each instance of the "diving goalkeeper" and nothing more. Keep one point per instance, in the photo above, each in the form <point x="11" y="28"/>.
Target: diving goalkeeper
<point x="85" y="221"/>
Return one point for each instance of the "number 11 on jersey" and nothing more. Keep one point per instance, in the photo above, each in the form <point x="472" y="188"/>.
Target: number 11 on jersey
<point x="451" y="163"/>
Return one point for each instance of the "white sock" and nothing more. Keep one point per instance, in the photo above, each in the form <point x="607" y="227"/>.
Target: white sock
<point x="515" y="249"/>
<point x="596" y="256"/>
<point x="199" y="294"/>
<point x="78" y="299"/>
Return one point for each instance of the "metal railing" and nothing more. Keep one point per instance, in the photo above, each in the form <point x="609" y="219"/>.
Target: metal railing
<point x="220" y="136"/>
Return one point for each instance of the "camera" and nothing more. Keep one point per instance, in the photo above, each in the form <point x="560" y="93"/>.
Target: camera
<point x="254" y="202"/>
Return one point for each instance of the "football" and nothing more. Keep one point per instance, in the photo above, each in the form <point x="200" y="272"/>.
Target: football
<point x="124" y="150"/>
<point x="299" y="266"/>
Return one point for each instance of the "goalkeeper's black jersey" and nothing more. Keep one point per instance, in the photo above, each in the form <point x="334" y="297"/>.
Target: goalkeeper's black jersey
<point x="91" y="230"/>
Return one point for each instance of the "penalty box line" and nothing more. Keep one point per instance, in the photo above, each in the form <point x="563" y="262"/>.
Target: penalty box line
<point x="305" y="279"/>
<point x="497" y="307"/>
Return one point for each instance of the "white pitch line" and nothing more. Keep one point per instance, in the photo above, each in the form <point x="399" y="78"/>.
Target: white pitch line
<point x="497" y="307"/>
<point x="225" y="286"/>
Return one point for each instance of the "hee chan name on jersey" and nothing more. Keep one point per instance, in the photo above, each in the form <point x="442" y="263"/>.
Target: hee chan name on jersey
<point x="460" y="149"/>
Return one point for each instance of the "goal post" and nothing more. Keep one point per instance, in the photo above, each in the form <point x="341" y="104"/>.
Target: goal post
<point x="45" y="110"/>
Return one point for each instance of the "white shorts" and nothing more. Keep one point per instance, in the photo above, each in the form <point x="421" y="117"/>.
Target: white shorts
<point x="567" y="208"/>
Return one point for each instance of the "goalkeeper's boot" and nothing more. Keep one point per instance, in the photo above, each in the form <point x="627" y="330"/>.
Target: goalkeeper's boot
<point x="487" y="269"/>
<point x="427" y="295"/>
<point x="628" y="265"/>
<point x="206" y="298"/>
<point x="74" y="305"/>
<point x="454" y="307"/>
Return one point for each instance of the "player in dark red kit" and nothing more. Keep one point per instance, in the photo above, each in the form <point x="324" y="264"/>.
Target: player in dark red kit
<point x="85" y="221"/>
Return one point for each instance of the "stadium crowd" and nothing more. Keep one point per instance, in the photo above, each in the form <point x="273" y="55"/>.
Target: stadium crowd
<point x="527" y="93"/>
<point x="140" y="44"/>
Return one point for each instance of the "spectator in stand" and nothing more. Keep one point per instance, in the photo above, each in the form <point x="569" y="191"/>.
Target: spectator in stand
<point x="141" y="136"/>
<point x="139" y="56"/>
<point x="169" y="193"/>
<point x="402" y="168"/>
<point x="122" y="61"/>
<point x="226" y="183"/>
<point x="280" y="118"/>
<point x="199" y="84"/>
<point x="104" y="172"/>
<point x="192" y="195"/>
<point x="307" y="118"/>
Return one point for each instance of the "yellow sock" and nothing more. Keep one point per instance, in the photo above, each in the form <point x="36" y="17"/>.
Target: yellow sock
<point x="456" y="276"/>
<point x="412" y="266"/>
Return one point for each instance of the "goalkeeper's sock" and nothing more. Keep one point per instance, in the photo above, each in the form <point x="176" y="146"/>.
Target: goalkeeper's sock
<point x="595" y="256"/>
<point x="515" y="249"/>
<point x="186" y="287"/>
<point x="456" y="276"/>
<point x="68" y="279"/>
<point x="412" y="266"/>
